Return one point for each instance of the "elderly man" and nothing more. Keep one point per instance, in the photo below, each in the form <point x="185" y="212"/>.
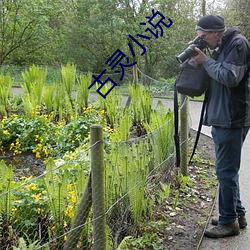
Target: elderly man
<point x="228" y="112"/>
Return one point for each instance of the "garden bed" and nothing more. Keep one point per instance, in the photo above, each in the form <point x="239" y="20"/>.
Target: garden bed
<point x="178" y="222"/>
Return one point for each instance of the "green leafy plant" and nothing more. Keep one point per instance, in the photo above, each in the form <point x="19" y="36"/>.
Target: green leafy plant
<point x="68" y="74"/>
<point x="30" y="208"/>
<point x="164" y="191"/>
<point x="22" y="245"/>
<point x="45" y="138"/>
<point x="161" y="126"/>
<point x="147" y="241"/>
<point x="111" y="105"/>
<point x="33" y="85"/>
<point x="6" y="184"/>
<point x="141" y="104"/>
<point x="5" y="90"/>
<point x="48" y="98"/>
<point x="82" y="94"/>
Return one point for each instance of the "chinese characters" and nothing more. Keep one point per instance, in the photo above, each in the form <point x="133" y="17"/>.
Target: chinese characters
<point x="157" y="21"/>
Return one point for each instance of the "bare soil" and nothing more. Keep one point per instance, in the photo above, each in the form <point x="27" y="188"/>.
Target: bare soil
<point x="187" y="222"/>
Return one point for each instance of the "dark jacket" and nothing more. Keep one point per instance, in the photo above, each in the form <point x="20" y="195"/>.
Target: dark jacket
<point x="229" y="90"/>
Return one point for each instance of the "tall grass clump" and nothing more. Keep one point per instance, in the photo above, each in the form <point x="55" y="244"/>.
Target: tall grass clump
<point x="34" y="80"/>
<point x="141" y="106"/>
<point x="161" y="130"/>
<point x="112" y="105"/>
<point x="68" y="74"/>
<point x="82" y="96"/>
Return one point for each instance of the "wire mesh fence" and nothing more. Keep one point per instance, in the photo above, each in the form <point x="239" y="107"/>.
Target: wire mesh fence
<point x="41" y="210"/>
<point x="55" y="210"/>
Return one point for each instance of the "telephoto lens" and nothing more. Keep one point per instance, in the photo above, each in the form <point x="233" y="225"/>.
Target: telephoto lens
<point x="190" y="50"/>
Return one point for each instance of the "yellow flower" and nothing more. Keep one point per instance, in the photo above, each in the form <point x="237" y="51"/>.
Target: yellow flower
<point x="31" y="187"/>
<point x="6" y="132"/>
<point x="69" y="211"/>
<point x="38" y="156"/>
<point x="45" y="151"/>
<point x="37" y="196"/>
<point x="14" y="209"/>
<point x="73" y="199"/>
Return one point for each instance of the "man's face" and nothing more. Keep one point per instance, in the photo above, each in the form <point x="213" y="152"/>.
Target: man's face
<point x="211" y="38"/>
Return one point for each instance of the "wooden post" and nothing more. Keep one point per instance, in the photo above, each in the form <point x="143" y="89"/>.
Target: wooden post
<point x="98" y="195"/>
<point x="184" y="135"/>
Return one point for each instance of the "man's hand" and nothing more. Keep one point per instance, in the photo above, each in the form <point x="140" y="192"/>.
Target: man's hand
<point x="200" y="58"/>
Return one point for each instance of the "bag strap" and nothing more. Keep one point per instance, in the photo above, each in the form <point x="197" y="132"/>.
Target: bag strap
<point x="176" y="126"/>
<point x="199" y="127"/>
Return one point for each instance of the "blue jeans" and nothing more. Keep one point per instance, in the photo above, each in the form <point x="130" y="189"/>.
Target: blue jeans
<point x="228" y="145"/>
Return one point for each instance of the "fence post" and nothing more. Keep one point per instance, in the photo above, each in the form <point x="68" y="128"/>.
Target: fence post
<point x="98" y="195"/>
<point x="184" y="135"/>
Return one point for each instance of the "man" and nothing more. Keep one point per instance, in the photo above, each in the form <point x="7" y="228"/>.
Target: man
<point x="228" y="112"/>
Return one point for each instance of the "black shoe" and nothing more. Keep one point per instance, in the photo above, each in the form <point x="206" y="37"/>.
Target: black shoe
<point x="221" y="231"/>
<point x="241" y="219"/>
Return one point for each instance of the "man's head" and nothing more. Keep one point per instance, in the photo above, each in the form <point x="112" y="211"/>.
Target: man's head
<point x="211" y="29"/>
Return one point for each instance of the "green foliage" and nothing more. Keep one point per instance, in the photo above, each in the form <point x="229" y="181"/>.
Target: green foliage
<point x="123" y="124"/>
<point x="126" y="172"/>
<point x="33" y="85"/>
<point x="23" y="245"/>
<point x="68" y="74"/>
<point x="5" y="90"/>
<point x="141" y="104"/>
<point x="161" y="126"/>
<point x="82" y="98"/>
<point x="48" y="98"/>
<point x="57" y="188"/>
<point x="111" y="104"/>
<point x="6" y="184"/>
<point x="30" y="206"/>
<point x="147" y="241"/>
<point x="89" y="32"/>
<point x="164" y="192"/>
<point x="128" y="161"/>
<point x="43" y="137"/>
<point x="23" y="25"/>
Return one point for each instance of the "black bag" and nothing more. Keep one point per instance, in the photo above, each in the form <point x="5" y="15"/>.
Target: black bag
<point x="192" y="80"/>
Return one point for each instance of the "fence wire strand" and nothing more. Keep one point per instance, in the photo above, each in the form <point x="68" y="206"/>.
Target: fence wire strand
<point x="48" y="203"/>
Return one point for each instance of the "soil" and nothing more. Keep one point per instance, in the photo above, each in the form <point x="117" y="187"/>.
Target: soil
<point x="25" y="164"/>
<point x="186" y="223"/>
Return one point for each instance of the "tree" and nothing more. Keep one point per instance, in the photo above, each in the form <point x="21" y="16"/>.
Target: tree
<point x="237" y="13"/>
<point x="21" y="21"/>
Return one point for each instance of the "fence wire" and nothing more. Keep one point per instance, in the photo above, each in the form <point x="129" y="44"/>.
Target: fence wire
<point x="44" y="210"/>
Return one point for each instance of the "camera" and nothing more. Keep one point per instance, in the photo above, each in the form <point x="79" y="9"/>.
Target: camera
<point x="190" y="51"/>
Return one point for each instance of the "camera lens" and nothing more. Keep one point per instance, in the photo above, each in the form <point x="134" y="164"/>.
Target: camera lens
<point x="187" y="53"/>
<point x="190" y="51"/>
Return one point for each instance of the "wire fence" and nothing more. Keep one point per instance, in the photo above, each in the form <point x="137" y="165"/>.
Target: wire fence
<point x="55" y="210"/>
<point x="42" y="210"/>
